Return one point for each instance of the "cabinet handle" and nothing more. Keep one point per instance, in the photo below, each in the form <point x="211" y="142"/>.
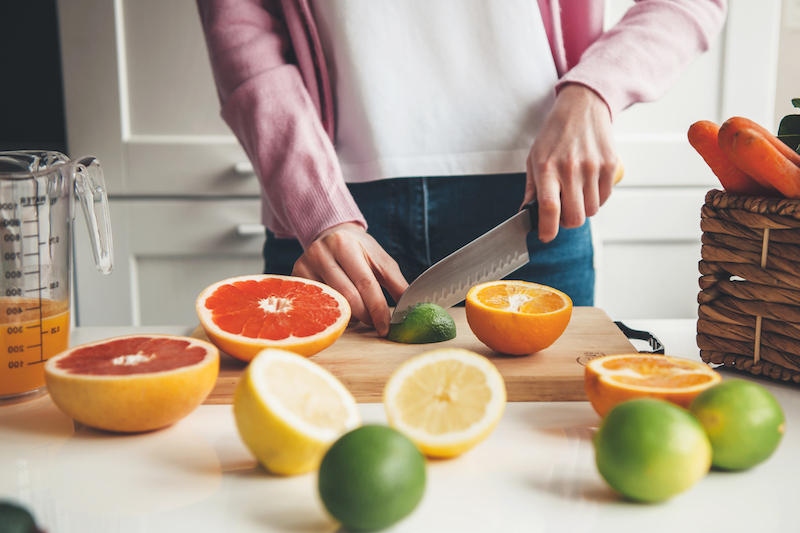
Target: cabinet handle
<point x="245" y="168"/>
<point x="250" y="230"/>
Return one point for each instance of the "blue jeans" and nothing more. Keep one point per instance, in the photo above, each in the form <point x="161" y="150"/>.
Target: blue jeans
<point x="418" y="221"/>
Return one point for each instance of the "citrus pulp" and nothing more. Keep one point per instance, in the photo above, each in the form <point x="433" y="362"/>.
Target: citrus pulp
<point x="247" y="314"/>
<point x="371" y="478"/>
<point x="289" y="410"/>
<point x="743" y="420"/>
<point x="649" y="450"/>
<point x="132" y="383"/>
<point x="424" y="323"/>
<point x="612" y="379"/>
<point x="446" y="401"/>
<point x="517" y="317"/>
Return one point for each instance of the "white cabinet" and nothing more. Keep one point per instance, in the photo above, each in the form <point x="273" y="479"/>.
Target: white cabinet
<point x="140" y="96"/>
<point x="167" y="251"/>
<point x="648" y="234"/>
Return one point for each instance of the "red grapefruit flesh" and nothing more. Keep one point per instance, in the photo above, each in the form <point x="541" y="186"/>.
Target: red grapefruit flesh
<point x="247" y="314"/>
<point x="133" y="383"/>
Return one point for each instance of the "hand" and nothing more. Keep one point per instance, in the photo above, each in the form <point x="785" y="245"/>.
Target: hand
<point x="351" y="261"/>
<point x="572" y="162"/>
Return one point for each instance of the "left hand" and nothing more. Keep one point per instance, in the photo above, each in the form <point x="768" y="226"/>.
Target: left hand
<point x="572" y="162"/>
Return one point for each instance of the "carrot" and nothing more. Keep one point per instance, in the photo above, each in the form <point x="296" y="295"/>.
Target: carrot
<point x="703" y="136"/>
<point x="734" y="124"/>
<point x="756" y="155"/>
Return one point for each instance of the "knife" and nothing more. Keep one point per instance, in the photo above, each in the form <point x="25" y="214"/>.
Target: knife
<point x="492" y="256"/>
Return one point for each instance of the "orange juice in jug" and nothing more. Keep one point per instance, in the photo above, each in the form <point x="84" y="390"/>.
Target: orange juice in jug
<point x="32" y="331"/>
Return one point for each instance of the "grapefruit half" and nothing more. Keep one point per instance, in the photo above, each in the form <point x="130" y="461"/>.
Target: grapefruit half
<point x="247" y="314"/>
<point x="132" y="383"/>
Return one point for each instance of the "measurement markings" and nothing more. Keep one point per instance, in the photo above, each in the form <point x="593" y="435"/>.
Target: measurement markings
<point x="35" y="290"/>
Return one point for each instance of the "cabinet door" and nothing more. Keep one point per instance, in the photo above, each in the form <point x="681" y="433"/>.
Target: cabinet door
<point x="647" y="236"/>
<point x="139" y="95"/>
<point x="166" y="253"/>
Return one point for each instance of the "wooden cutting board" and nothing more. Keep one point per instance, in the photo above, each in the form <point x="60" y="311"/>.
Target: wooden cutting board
<point x="363" y="361"/>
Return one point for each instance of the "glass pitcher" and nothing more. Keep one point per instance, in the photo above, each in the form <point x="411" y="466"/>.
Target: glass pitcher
<point x="37" y="209"/>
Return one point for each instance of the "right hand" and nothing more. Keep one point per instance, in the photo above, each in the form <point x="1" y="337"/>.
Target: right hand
<point x="350" y="260"/>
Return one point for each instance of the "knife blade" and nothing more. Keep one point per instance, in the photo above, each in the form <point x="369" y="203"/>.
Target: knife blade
<point x="492" y="256"/>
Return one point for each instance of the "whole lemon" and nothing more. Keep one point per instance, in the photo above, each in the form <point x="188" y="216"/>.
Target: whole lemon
<point x="650" y="450"/>
<point x="371" y="478"/>
<point x="743" y="420"/>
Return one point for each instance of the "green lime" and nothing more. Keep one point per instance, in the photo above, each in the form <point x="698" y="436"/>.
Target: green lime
<point x="744" y="422"/>
<point x="16" y="519"/>
<point x="424" y="323"/>
<point x="649" y="450"/>
<point x="371" y="478"/>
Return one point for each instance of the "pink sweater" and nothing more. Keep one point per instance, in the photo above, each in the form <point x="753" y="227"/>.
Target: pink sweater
<point x="276" y="95"/>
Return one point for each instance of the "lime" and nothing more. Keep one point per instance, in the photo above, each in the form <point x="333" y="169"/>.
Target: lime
<point x="16" y="519"/>
<point x="371" y="478"/>
<point x="649" y="450"/>
<point x="744" y="422"/>
<point x="424" y="323"/>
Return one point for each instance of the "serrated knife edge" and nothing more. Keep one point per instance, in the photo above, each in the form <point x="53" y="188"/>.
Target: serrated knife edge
<point x="448" y="281"/>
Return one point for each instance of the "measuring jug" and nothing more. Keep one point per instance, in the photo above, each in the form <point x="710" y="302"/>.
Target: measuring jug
<point x="37" y="210"/>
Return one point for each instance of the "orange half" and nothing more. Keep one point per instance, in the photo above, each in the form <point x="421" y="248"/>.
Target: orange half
<point x="613" y="379"/>
<point x="517" y="317"/>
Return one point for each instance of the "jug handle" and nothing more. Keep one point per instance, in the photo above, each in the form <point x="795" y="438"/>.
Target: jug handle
<point x="91" y="191"/>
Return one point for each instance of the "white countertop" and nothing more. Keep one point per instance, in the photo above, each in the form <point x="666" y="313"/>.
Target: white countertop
<point x="535" y="473"/>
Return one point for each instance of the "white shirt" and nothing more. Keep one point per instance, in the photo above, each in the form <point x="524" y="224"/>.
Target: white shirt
<point x="435" y="87"/>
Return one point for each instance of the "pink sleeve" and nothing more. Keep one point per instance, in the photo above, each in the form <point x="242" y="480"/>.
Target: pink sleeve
<point x="266" y="104"/>
<point x="644" y="54"/>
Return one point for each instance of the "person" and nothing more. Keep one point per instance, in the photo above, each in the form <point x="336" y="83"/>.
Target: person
<point x="388" y="133"/>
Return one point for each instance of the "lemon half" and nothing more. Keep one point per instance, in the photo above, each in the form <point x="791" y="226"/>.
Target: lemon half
<point x="446" y="401"/>
<point x="289" y="410"/>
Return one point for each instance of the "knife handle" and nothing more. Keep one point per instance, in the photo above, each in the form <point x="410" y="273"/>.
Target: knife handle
<point x="533" y="212"/>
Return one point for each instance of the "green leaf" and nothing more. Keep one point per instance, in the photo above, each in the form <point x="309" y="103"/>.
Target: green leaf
<point x="790" y="125"/>
<point x="796" y="102"/>
<point x="792" y="141"/>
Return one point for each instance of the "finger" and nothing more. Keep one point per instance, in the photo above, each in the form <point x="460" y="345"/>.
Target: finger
<point x="572" y="211"/>
<point x="340" y="280"/>
<point x="388" y="273"/>
<point x="302" y="270"/>
<point x="358" y="268"/>
<point x="548" y="197"/>
<point x="318" y="262"/>
<point x="609" y="173"/>
<point x="591" y="191"/>
<point x="530" y="184"/>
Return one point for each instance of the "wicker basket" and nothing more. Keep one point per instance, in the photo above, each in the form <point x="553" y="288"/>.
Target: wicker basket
<point x="749" y="315"/>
